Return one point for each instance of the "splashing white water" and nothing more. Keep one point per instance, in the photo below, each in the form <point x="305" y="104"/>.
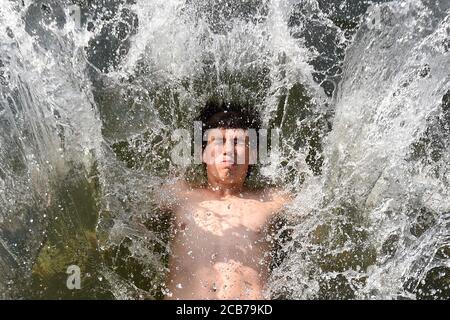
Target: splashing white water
<point x="98" y="103"/>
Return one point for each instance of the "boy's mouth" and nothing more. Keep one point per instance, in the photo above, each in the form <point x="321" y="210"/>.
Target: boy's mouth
<point x="228" y="161"/>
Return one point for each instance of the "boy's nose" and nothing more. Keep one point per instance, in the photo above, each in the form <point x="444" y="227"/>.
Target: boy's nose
<point x="228" y="148"/>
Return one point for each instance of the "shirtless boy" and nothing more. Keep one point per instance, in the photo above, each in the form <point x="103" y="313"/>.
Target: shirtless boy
<point x="220" y="248"/>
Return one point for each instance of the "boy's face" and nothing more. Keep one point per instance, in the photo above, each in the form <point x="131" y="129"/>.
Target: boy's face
<point x="227" y="154"/>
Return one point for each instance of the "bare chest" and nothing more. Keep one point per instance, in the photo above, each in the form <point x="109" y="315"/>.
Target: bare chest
<point x="241" y="218"/>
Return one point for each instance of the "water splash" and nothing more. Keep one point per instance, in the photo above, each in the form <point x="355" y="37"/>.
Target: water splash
<point x="87" y="108"/>
<point x="377" y="229"/>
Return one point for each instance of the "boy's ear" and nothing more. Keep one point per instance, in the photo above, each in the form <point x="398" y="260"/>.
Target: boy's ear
<point x="204" y="157"/>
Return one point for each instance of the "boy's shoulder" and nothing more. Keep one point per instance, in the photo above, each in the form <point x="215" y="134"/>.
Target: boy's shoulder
<point x="272" y="198"/>
<point x="276" y="195"/>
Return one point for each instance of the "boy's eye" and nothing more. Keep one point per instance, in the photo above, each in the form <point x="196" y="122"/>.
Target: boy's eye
<point x="240" y="141"/>
<point x="217" y="142"/>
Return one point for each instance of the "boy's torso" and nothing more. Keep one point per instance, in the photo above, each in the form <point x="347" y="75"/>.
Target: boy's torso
<point x="220" y="248"/>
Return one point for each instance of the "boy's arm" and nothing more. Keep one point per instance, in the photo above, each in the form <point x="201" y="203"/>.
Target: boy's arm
<point x="277" y="228"/>
<point x="281" y="197"/>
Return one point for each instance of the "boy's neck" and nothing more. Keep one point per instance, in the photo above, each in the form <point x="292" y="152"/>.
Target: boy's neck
<point x="225" y="190"/>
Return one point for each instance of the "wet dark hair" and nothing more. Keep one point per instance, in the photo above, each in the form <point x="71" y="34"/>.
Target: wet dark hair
<point x="218" y="113"/>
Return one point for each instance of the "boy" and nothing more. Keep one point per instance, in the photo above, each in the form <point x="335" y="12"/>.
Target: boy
<point x="220" y="248"/>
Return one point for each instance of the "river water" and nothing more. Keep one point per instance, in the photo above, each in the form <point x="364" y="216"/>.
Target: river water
<point x="92" y="90"/>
